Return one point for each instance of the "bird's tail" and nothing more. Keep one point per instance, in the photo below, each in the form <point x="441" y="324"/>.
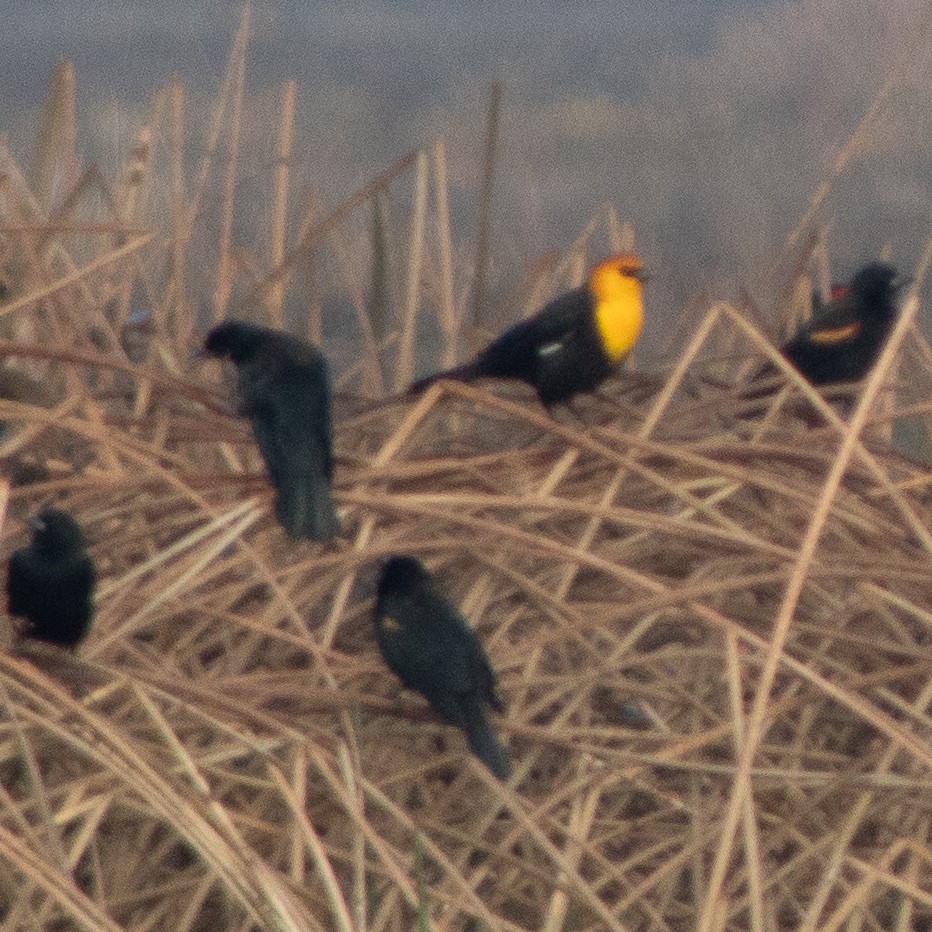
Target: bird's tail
<point x="306" y="509"/>
<point x="483" y="741"/>
<point x="463" y="373"/>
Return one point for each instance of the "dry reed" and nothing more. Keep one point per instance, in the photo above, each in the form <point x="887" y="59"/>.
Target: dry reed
<point x="712" y="623"/>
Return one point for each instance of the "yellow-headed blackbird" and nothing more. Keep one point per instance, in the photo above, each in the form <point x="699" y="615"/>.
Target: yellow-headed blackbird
<point x="573" y="343"/>
<point x="845" y="336"/>
<point x="283" y="384"/>
<point x="51" y="582"/>
<point x="426" y="642"/>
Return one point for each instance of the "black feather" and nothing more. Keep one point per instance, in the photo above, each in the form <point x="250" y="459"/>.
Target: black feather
<point x="284" y="389"/>
<point x="557" y="351"/>
<point x="561" y="351"/>
<point x="51" y="582"/>
<point x="427" y="643"/>
<point x="842" y="342"/>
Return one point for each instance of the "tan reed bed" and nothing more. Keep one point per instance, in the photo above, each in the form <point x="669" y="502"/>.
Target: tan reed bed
<point x="712" y="617"/>
<point x="689" y="683"/>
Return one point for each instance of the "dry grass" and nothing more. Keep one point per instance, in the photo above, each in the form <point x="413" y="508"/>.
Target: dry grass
<point x="712" y="623"/>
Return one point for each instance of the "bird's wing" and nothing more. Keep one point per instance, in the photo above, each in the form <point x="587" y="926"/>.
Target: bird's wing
<point x="483" y="677"/>
<point x="289" y="408"/>
<point x="468" y="672"/>
<point x="305" y="420"/>
<point x="466" y="685"/>
<point x="543" y="340"/>
<point x="266" y="419"/>
<point x="450" y="683"/>
<point x="405" y="632"/>
<point x="836" y="325"/>
<point x="18" y="584"/>
<point x="85" y="577"/>
<point x="563" y="315"/>
<point x="68" y="619"/>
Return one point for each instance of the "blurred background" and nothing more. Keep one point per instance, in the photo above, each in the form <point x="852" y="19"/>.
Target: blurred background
<point x="708" y="125"/>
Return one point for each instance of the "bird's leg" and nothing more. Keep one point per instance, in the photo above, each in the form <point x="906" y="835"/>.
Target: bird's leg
<point x="570" y="406"/>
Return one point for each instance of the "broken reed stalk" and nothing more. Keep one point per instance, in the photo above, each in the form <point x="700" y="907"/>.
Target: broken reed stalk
<point x="404" y="372"/>
<point x="177" y="316"/>
<point x="224" y="276"/>
<point x="490" y="153"/>
<point x="286" y="131"/>
<point x="447" y="305"/>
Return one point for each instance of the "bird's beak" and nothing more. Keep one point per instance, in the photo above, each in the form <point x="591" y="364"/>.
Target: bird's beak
<point x="35" y="523"/>
<point x="901" y="284"/>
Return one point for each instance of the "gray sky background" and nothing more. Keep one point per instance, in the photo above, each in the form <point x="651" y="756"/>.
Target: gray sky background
<point x="709" y="124"/>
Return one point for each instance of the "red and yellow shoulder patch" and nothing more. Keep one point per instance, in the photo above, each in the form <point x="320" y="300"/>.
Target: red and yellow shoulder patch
<point x="833" y="335"/>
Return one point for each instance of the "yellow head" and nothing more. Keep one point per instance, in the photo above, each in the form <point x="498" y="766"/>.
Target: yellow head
<point x="615" y="285"/>
<point x="620" y="274"/>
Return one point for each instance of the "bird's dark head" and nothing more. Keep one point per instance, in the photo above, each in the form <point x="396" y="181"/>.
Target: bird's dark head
<point x="237" y="340"/>
<point x="876" y="285"/>
<point x="400" y="573"/>
<point x="55" y="532"/>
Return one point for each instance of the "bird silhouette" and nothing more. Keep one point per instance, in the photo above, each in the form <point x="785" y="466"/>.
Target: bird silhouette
<point x="573" y="343"/>
<point x="427" y="643"/>
<point x="50" y="583"/>
<point x="283" y="385"/>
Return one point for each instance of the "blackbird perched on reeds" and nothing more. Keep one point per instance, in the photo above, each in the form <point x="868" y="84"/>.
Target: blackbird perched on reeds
<point x="283" y="384"/>
<point x="427" y="643"/>
<point x="845" y="336"/>
<point x="51" y="582"/>
<point x="573" y="343"/>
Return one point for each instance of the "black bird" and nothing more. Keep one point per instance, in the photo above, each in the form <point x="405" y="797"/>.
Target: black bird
<point x="845" y="336"/>
<point x="51" y="582"/>
<point x="573" y="343"/>
<point x="283" y="384"/>
<point x="427" y="643"/>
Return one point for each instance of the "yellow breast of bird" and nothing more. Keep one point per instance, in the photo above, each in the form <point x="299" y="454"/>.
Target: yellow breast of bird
<point x="619" y="319"/>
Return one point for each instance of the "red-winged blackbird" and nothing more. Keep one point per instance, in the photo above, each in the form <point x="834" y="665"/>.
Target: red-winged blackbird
<point x="284" y="389"/>
<point x="51" y="582"/>
<point x="573" y="343"/>
<point x="845" y="336"/>
<point x="426" y="642"/>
